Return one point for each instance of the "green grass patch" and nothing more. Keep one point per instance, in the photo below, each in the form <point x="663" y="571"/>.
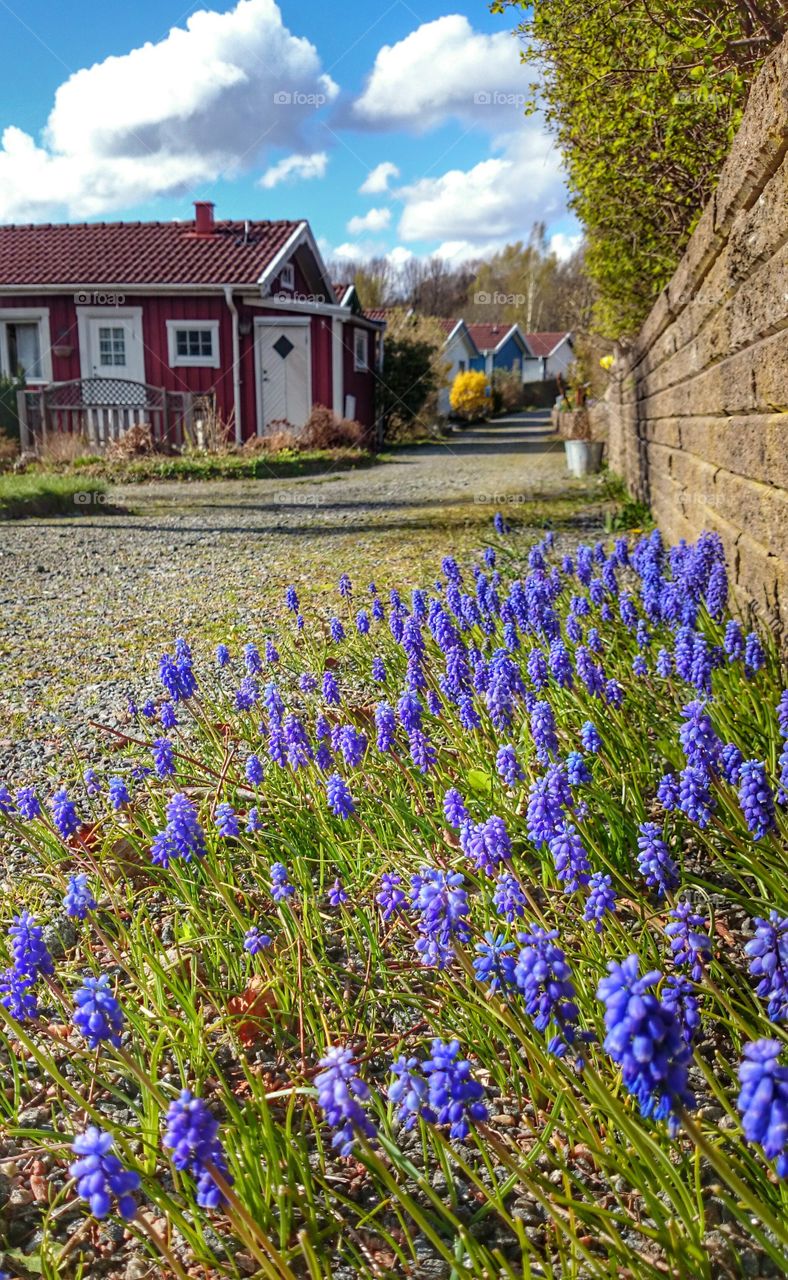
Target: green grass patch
<point x="287" y="464"/>
<point x="46" y="493"/>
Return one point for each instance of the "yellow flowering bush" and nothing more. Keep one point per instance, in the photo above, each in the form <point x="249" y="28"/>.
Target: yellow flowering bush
<point x="468" y="394"/>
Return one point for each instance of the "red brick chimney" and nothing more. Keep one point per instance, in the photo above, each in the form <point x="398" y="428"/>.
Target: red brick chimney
<point x="203" y="217"/>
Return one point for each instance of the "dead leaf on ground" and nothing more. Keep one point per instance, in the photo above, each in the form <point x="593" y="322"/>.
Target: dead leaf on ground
<point x="253" y="1010"/>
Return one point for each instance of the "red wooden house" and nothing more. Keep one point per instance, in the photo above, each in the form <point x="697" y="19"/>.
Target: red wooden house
<point x="114" y="323"/>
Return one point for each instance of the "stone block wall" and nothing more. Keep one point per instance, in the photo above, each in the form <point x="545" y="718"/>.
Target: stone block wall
<point x="698" y="410"/>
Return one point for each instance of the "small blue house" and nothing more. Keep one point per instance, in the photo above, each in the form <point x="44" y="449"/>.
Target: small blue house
<point x="501" y="346"/>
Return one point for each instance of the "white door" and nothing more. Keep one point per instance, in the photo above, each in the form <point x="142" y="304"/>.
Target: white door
<point x="115" y="348"/>
<point x="284" y="374"/>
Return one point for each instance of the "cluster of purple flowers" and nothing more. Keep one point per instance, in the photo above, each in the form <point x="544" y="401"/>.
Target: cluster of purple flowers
<point x="440" y="900"/>
<point x="644" y="1037"/>
<point x="98" y="1016"/>
<point x="768" y="954"/>
<point x="340" y="1093"/>
<point x="544" y="979"/>
<point x="183" y="837"/>
<point x="657" y="865"/>
<point x="31" y="960"/>
<point x="441" y="1089"/>
<point x="763" y="1100"/>
<point x="192" y="1135"/>
<point x="176" y="673"/>
<point x="100" y="1177"/>
<point x="689" y="941"/>
<point x="487" y="843"/>
<point x="601" y="899"/>
<point x="78" y="900"/>
<point x="281" y="888"/>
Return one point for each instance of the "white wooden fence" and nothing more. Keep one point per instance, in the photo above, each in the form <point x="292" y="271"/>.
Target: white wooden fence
<point x="101" y="410"/>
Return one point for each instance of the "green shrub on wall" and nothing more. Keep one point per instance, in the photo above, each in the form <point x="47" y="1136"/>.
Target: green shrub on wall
<point x="9" y="419"/>
<point x="644" y="101"/>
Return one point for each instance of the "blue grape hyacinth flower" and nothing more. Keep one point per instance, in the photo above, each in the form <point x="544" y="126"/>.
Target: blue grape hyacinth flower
<point x="768" y="954"/>
<point x="78" y="900"/>
<point x="98" y="1016"/>
<point x="192" y="1136"/>
<point x="756" y="799"/>
<point x="763" y="1100"/>
<point x="340" y="1093"/>
<point x="644" y="1037"/>
<point x="100" y="1177"/>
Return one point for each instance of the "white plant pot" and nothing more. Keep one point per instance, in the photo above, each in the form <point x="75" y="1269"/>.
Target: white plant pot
<point x="583" y="457"/>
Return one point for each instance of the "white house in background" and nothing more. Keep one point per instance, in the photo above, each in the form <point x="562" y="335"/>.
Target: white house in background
<point x="550" y="354"/>
<point x="459" y="352"/>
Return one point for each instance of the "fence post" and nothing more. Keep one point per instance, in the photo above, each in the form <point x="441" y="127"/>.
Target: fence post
<point x="188" y="415"/>
<point x="21" y="413"/>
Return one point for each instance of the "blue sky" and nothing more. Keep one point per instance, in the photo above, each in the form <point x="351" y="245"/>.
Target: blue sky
<point x="395" y="128"/>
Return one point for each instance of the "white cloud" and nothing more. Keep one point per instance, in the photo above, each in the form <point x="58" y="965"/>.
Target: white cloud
<point x="375" y="220"/>
<point x="379" y="178"/>
<point x="399" y="255"/>
<point x="363" y="250"/>
<point x="458" y="251"/>
<point x="564" y="245"/>
<point x="445" y="68"/>
<point x="295" y="168"/>
<point x="495" y="201"/>
<point x="209" y="98"/>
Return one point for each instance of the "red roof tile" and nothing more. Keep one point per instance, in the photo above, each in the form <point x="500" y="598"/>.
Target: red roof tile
<point x="488" y="336"/>
<point x="544" y="344"/>
<point x="378" y="314"/>
<point x="139" y="253"/>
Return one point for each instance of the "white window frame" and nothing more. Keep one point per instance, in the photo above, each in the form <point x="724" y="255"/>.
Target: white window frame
<point x="28" y="315"/>
<point x="193" y="362"/>
<point x="360" y="365"/>
<point x="287" y="277"/>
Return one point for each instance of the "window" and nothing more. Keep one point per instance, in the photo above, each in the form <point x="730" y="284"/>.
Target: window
<point x="112" y="346"/>
<point x="193" y="342"/>
<point x="287" y="277"/>
<point x="461" y="365"/>
<point x="23" y="351"/>
<point x="360" y="350"/>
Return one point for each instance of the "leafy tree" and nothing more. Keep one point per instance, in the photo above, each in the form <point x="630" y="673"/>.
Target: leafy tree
<point x="414" y="369"/>
<point x="375" y="280"/>
<point x="527" y="284"/>
<point x="644" y="97"/>
<point x="434" y="287"/>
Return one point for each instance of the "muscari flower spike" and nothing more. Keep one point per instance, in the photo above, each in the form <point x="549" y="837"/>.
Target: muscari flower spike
<point x="763" y="1100"/>
<point x="655" y="861"/>
<point x="340" y="1093"/>
<point x="98" y="1016"/>
<point x="544" y="978"/>
<point x="79" y="900"/>
<point x="255" y="941"/>
<point x="100" y="1176"/>
<point x="64" y="814"/>
<point x="645" y="1039"/>
<point x="689" y="941"/>
<point x="30" y="953"/>
<point x="768" y="954"/>
<point x="600" y="901"/>
<point x="192" y="1135"/>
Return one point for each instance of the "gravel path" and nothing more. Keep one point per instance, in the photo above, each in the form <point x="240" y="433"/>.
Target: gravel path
<point x="88" y="604"/>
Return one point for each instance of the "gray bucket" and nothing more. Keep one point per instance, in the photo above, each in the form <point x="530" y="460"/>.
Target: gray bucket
<point x="583" y="457"/>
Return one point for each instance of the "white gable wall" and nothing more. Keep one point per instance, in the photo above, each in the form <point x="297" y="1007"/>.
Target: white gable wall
<point x="458" y="352"/>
